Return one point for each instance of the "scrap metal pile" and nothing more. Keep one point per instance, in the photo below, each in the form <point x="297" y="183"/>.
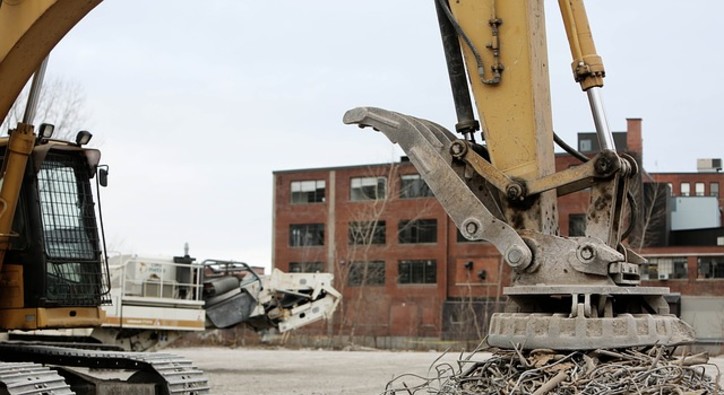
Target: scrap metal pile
<point x="651" y="370"/>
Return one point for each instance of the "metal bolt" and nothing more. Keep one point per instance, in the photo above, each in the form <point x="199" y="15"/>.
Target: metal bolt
<point x="519" y="258"/>
<point x="603" y="165"/>
<point x="514" y="256"/>
<point x="458" y="149"/>
<point x="514" y="192"/>
<point x="471" y="228"/>
<point x="587" y="253"/>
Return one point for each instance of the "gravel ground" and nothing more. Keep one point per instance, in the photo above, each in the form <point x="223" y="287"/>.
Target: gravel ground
<point x="310" y="372"/>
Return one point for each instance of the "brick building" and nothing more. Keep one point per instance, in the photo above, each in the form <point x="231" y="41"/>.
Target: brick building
<point x="406" y="272"/>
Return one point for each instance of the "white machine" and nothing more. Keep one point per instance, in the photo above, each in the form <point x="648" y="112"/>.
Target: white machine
<point x="156" y="300"/>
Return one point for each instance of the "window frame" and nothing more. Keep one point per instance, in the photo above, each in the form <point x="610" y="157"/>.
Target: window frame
<point x="416" y="272"/>
<point x="675" y="266"/>
<point x="413" y="186"/>
<point x="306" y="228"/>
<point x="714" y="267"/>
<point x="358" y="194"/>
<point x="317" y="197"/>
<point x="685" y="189"/>
<point x="416" y="229"/>
<point x="699" y="189"/>
<point x="375" y="268"/>
<point x="585" y="145"/>
<point x="367" y="232"/>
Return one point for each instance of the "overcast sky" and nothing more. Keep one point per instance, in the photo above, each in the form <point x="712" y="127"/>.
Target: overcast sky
<point x="195" y="103"/>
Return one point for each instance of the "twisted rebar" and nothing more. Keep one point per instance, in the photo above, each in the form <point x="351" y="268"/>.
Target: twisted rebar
<point x="641" y="371"/>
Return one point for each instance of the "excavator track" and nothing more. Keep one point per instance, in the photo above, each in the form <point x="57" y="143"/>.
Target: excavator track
<point x="172" y="374"/>
<point x="31" y="379"/>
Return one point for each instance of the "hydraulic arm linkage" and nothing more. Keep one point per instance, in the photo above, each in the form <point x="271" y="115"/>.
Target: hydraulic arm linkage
<point x="567" y="292"/>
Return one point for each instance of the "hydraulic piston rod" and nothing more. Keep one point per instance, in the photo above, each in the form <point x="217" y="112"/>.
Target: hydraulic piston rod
<point x="603" y="132"/>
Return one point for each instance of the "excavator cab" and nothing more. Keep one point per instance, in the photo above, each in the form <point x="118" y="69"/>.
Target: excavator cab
<point x="54" y="274"/>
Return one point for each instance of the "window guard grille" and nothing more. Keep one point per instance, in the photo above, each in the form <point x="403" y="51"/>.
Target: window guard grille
<point x="74" y="268"/>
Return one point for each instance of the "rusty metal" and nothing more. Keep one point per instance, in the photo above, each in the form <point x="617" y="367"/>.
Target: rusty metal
<point x="653" y="370"/>
<point x="576" y="178"/>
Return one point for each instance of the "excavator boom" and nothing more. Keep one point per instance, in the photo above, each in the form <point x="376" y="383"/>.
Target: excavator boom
<point x="29" y="30"/>
<point x="501" y="185"/>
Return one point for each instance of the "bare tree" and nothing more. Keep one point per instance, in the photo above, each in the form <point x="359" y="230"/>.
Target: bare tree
<point x="651" y="223"/>
<point x="365" y="229"/>
<point x="360" y="263"/>
<point x="469" y="314"/>
<point x="62" y="103"/>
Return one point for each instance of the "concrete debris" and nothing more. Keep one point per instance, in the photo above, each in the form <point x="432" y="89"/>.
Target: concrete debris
<point x="651" y="370"/>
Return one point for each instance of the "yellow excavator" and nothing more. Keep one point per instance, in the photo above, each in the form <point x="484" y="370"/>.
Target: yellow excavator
<point x="53" y="270"/>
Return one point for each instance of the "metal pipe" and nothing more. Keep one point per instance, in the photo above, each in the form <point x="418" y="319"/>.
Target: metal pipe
<point x="34" y="95"/>
<point x="603" y="132"/>
<point x="456" y="71"/>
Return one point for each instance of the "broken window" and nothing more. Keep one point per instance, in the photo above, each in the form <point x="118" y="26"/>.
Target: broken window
<point x="668" y="268"/>
<point x="648" y="271"/>
<point x="363" y="274"/>
<point x="306" y="267"/>
<point x="312" y="191"/>
<point x="417" y="272"/>
<point x="711" y="267"/>
<point x="301" y="235"/>
<point x="417" y="231"/>
<point x="367" y="232"/>
<point x="368" y="188"/>
<point x="413" y="186"/>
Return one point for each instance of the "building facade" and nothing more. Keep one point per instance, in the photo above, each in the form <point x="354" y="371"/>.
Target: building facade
<point x="397" y="258"/>
<point x="405" y="271"/>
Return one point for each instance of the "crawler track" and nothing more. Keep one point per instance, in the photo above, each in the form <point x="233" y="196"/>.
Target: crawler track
<point x="31" y="379"/>
<point x="175" y="374"/>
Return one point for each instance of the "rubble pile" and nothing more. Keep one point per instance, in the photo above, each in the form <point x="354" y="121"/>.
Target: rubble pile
<point x="651" y="370"/>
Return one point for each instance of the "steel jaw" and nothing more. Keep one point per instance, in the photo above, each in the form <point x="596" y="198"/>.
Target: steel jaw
<point x="428" y="146"/>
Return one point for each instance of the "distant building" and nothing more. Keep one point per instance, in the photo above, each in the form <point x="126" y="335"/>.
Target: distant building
<point x="406" y="272"/>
